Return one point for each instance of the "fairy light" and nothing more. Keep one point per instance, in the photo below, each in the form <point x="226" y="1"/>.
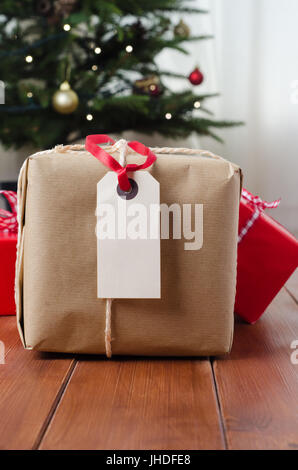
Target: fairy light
<point x="129" y="49"/>
<point x="94" y="68"/>
<point x="197" y="104"/>
<point x="89" y="117"/>
<point x="29" y="94"/>
<point x="29" y="59"/>
<point x="168" y="116"/>
<point x="97" y="50"/>
<point x="67" y="27"/>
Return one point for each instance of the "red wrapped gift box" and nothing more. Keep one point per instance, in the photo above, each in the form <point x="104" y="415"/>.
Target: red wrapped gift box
<point x="267" y="256"/>
<point x="8" y="244"/>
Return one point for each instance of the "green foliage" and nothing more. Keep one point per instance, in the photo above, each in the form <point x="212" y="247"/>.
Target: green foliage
<point x="107" y="93"/>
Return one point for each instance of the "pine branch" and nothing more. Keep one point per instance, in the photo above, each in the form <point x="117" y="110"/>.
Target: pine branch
<point x="104" y="82"/>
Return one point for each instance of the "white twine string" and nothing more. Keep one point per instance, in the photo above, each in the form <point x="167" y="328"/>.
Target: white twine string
<point x="129" y="151"/>
<point x="122" y="147"/>
<point x="108" y="328"/>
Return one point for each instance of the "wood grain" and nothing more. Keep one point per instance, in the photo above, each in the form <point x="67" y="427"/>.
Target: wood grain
<point x="137" y="404"/>
<point x="29" y="385"/>
<point x="258" y="384"/>
<point x="55" y="402"/>
<point x="8" y="332"/>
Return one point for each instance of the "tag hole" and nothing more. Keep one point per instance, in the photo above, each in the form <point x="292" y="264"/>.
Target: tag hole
<point x="127" y="195"/>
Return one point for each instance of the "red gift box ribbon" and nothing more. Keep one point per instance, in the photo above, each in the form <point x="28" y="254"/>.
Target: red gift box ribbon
<point x="260" y="206"/>
<point x="8" y="220"/>
<point x="91" y="145"/>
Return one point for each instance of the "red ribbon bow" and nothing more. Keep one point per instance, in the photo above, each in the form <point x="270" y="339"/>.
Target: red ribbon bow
<point x="8" y="220"/>
<point x="91" y="145"/>
<point x="259" y="206"/>
<point x="258" y="202"/>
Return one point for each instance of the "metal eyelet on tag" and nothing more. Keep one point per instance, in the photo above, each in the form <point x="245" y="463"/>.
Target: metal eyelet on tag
<point x="127" y="195"/>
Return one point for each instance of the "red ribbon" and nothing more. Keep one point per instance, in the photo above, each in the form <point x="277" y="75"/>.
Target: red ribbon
<point x="91" y="145"/>
<point x="8" y="220"/>
<point x="258" y="202"/>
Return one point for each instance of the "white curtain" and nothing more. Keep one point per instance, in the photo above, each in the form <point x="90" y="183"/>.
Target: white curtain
<point x="253" y="62"/>
<point x="256" y="57"/>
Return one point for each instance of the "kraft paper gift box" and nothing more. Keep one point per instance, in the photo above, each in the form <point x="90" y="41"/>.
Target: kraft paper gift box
<point x="267" y="256"/>
<point x="56" y="281"/>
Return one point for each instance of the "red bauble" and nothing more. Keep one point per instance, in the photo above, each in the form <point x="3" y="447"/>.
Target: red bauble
<point x="196" y="77"/>
<point x="155" y="90"/>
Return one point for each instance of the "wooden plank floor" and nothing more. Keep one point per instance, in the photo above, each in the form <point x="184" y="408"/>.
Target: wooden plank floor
<point x="247" y="400"/>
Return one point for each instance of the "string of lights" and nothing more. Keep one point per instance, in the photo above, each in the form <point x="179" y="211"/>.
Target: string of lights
<point x="29" y="47"/>
<point x="20" y="109"/>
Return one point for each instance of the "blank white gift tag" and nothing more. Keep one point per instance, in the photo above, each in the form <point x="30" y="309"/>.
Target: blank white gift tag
<point x="128" y="238"/>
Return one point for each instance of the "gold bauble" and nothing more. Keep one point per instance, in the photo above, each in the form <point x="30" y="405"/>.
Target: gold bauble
<point x="182" y="29"/>
<point x="65" y="100"/>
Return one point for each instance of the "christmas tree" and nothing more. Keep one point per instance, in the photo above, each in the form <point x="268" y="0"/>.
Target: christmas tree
<point x="74" y="67"/>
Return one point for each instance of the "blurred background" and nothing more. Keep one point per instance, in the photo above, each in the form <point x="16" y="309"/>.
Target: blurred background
<point x="250" y="61"/>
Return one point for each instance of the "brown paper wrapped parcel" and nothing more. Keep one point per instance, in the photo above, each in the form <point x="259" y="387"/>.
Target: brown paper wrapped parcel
<point x="56" y="273"/>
